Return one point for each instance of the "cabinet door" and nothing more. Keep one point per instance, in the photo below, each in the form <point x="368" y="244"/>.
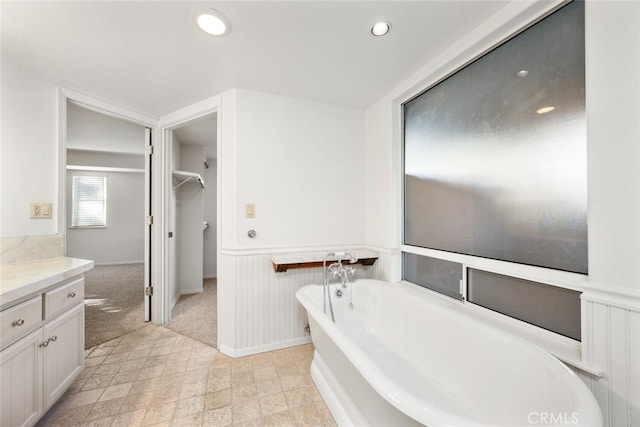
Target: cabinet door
<point x="20" y="378"/>
<point x="63" y="357"/>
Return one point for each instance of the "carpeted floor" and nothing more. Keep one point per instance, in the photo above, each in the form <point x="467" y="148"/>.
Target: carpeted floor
<point x="195" y="315"/>
<point x="114" y="302"/>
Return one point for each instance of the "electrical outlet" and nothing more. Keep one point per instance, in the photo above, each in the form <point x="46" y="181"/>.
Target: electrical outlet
<point x="39" y="210"/>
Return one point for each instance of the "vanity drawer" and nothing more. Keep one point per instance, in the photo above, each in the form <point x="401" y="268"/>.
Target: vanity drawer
<point x="20" y="319"/>
<point x="60" y="299"/>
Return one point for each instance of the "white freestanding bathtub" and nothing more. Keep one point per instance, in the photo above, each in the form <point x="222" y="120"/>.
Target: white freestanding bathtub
<point x="402" y="357"/>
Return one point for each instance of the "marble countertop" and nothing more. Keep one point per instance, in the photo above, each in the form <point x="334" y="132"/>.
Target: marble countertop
<point x="22" y="279"/>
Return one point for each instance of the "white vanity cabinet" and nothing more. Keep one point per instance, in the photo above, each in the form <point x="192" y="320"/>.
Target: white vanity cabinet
<point x="42" y="349"/>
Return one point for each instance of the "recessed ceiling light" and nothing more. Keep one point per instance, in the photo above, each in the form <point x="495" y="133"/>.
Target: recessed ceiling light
<point x="545" y="110"/>
<point x="522" y="73"/>
<point x="213" y="22"/>
<point x="380" y="28"/>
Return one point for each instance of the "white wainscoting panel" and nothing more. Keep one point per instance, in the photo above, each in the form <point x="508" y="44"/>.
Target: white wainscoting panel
<point x="612" y="343"/>
<point x="388" y="267"/>
<point x="257" y="307"/>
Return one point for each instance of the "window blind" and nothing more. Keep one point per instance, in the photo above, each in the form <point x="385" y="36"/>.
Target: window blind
<point x="89" y="201"/>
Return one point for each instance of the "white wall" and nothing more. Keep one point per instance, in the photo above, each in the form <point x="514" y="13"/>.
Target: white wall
<point x="210" y="239"/>
<point x="29" y="151"/>
<point x="90" y="130"/>
<point x="302" y="164"/>
<point x="611" y="298"/>
<point x="122" y="241"/>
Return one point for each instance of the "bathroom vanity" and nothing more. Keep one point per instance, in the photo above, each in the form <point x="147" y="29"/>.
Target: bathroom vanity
<point x="41" y="335"/>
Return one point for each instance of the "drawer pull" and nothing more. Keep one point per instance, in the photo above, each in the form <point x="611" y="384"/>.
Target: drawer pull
<point x="71" y="295"/>
<point x="44" y="344"/>
<point x="18" y="322"/>
<point x="53" y="338"/>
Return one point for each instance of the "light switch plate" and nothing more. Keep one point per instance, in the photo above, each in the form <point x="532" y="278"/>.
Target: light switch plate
<point x="250" y="210"/>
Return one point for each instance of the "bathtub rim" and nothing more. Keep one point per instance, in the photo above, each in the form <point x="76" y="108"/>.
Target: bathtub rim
<point x="407" y="403"/>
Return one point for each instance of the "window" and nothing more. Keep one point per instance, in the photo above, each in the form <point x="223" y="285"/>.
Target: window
<point x="549" y="307"/>
<point x="89" y="201"/>
<point x="495" y="167"/>
<point x="495" y="155"/>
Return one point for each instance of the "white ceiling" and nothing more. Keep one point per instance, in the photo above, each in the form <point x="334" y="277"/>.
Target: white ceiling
<point x="150" y="56"/>
<point x="202" y="131"/>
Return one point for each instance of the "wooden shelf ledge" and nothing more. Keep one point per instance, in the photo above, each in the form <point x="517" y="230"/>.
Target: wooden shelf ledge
<point x="283" y="262"/>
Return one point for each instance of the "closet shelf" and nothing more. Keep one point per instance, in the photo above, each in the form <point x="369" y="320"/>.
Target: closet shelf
<point x="187" y="176"/>
<point x="284" y="262"/>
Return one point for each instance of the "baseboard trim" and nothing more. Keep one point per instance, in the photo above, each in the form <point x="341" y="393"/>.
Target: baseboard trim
<point x="263" y="348"/>
<point x="117" y="263"/>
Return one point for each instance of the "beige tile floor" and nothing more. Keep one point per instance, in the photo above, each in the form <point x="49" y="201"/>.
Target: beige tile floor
<point x="156" y="377"/>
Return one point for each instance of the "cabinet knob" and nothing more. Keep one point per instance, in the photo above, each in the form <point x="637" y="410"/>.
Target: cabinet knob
<point x="71" y="295"/>
<point x="44" y="344"/>
<point x="18" y="322"/>
<point x="53" y="338"/>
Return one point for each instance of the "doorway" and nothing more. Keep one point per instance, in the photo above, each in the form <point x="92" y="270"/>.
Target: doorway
<point x="193" y="228"/>
<point x="106" y="198"/>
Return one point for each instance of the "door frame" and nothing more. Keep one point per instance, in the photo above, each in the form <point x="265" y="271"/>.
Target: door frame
<point x="153" y="193"/>
<point x="166" y="124"/>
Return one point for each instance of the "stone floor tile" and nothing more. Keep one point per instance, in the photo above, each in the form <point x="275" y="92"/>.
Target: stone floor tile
<point x="159" y="351"/>
<point x="139" y="353"/>
<point x="287" y="369"/>
<point x="143" y="386"/>
<point x="291" y="382"/>
<point x="94" y="361"/>
<point x="124" y="348"/>
<point x="110" y="369"/>
<point x="87" y="372"/>
<point x="129" y="419"/>
<point x="272" y="404"/>
<point x="302" y="396"/>
<point x="245" y="410"/>
<point x="65" y="417"/>
<point x="99" y="381"/>
<point x="115" y="392"/>
<point x="83" y="398"/>
<point x="194" y="420"/>
<point x="193" y="389"/>
<point x="281" y="419"/>
<point x="218" y="383"/>
<point x="196" y="375"/>
<point x="103" y="422"/>
<point x="125" y="377"/>
<point x="131" y="365"/>
<point x="104" y="409"/>
<point x="156" y="377"/>
<point x="307" y="415"/>
<point x="217" y="399"/>
<point x="116" y="358"/>
<point x="265" y="373"/>
<point x="244" y="392"/>
<point x="218" y="417"/>
<point x="189" y="406"/>
<point x="136" y="401"/>
<point x="267" y="387"/>
<point x="151" y="372"/>
<point x="242" y="378"/>
<point x="157" y="414"/>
